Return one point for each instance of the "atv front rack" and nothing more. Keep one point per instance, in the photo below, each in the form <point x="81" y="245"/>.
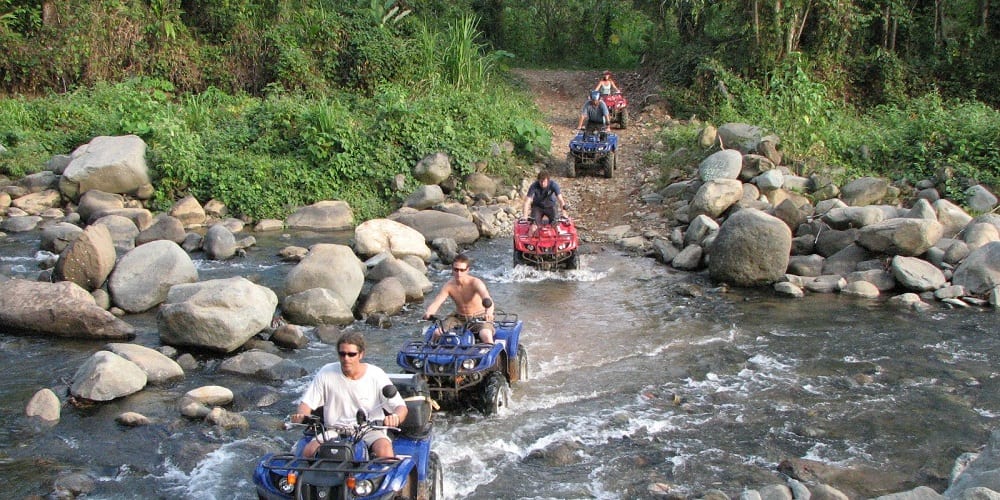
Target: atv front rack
<point x="285" y="463"/>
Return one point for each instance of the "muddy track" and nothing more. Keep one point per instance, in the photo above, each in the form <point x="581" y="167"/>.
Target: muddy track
<point x="596" y="203"/>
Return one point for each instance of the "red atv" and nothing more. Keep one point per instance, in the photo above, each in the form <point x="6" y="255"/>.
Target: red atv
<point x="618" y="107"/>
<point x="552" y="246"/>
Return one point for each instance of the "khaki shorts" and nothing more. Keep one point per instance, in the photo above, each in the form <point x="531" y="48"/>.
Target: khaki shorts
<point x="370" y="437"/>
<point x="456" y="320"/>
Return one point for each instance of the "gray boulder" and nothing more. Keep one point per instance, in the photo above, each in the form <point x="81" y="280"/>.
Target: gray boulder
<point x="164" y="227"/>
<point x="20" y="223"/>
<point x="109" y="164"/>
<point x="388" y="296"/>
<point x="980" y="199"/>
<point x="740" y="136"/>
<point x="56" y="237"/>
<point x="916" y="274"/>
<point x="980" y="271"/>
<point x="333" y="215"/>
<point x="317" y="306"/>
<point x="333" y="267"/>
<point x="96" y="201"/>
<point x="189" y="212"/>
<point x="434" y="224"/>
<point x="864" y="191"/>
<point x="62" y="309"/>
<point x="425" y="196"/>
<point x="725" y="164"/>
<point x="952" y="217"/>
<point x="433" y="169"/>
<point x="480" y="185"/>
<point x="249" y="363"/>
<point x="218" y="315"/>
<point x="143" y="277"/>
<point x="158" y="368"/>
<point x="751" y="249"/>
<point x="978" y="234"/>
<point x="44" y="405"/>
<point x="89" y="259"/>
<point x="219" y="243"/>
<point x="375" y="236"/>
<point x="106" y="376"/>
<point x="715" y="197"/>
<point x="122" y="229"/>
<point x="901" y="236"/>
<point x="415" y="283"/>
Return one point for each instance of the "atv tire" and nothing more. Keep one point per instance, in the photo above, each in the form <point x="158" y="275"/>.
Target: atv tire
<point x="518" y="258"/>
<point x="571" y="168"/>
<point x="623" y="118"/>
<point x="496" y="394"/>
<point x="517" y="370"/>
<point x="435" y="490"/>
<point x="573" y="262"/>
<point x="609" y="163"/>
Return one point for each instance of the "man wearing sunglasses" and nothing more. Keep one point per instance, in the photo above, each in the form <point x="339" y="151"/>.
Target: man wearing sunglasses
<point x="345" y="387"/>
<point x="472" y="302"/>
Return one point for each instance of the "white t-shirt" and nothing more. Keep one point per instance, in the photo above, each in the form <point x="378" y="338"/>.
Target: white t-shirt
<point x="341" y="397"/>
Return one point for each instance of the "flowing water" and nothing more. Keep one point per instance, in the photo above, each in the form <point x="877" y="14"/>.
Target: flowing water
<point x="640" y="374"/>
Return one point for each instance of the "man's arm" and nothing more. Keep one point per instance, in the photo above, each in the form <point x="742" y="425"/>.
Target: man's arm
<point x="527" y="204"/>
<point x="435" y="304"/>
<point x="301" y="412"/>
<point x="485" y="294"/>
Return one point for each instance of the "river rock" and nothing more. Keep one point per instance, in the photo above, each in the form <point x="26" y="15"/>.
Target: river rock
<point x="89" y="259"/>
<point x="901" y="236"/>
<point x="725" y="164"/>
<point x="881" y="278"/>
<point x="249" y="363"/>
<point x="281" y="371"/>
<point x="219" y="243"/>
<point x="952" y="217"/>
<point x="226" y="419"/>
<point x="982" y="472"/>
<point x="715" y="197"/>
<point x="123" y="231"/>
<point x="978" y="234"/>
<point x="414" y="282"/>
<point x="742" y="137"/>
<point x="163" y="227"/>
<point x="689" y="258"/>
<point x="219" y="315"/>
<point x="433" y="169"/>
<point x="425" y="196"/>
<point x="36" y="203"/>
<point x="56" y="237"/>
<point x="317" y="306"/>
<point x="478" y="185"/>
<point x="751" y="249"/>
<point x="211" y="395"/>
<point x="806" y="265"/>
<point x="329" y="266"/>
<point x="980" y="271"/>
<point x="789" y="289"/>
<point x="826" y="283"/>
<point x="19" y="223"/>
<point x="980" y="199"/>
<point x="62" y="309"/>
<point x="333" y="215"/>
<point x="44" y="405"/>
<point x="106" y="376"/>
<point x="916" y="274"/>
<point x="864" y="191"/>
<point x="434" y="224"/>
<point x="109" y="164"/>
<point x="388" y="296"/>
<point x="922" y="209"/>
<point x="256" y="397"/>
<point x="909" y="301"/>
<point x="846" y="260"/>
<point x="375" y="236"/>
<point x="189" y="212"/>
<point x="143" y="277"/>
<point x="266" y="225"/>
<point x="158" y="368"/>
<point x="861" y="289"/>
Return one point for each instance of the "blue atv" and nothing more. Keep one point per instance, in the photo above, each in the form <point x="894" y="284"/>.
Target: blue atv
<point x="593" y="149"/>
<point x="342" y="469"/>
<point x="461" y="372"/>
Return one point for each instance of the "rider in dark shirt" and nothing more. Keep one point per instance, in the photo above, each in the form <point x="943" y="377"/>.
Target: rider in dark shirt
<point x="594" y="112"/>
<point x="543" y="199"/>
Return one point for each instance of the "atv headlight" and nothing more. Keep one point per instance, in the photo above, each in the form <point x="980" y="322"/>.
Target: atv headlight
<point x="287" y="483"/>
<point x="417" y="362"/>
<point x="364" y="488"/>
<point x="469" y="364"/>
<point x="530" y="248"/>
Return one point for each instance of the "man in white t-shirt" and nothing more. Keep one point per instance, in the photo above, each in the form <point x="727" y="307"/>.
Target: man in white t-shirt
<point x="345" y="387"/>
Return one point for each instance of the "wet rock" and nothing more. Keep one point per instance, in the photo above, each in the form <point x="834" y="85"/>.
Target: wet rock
<point x="44" y="405"/>
<point x="132" y="419"/>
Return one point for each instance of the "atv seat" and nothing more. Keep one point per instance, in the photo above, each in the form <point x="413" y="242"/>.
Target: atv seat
<point x="415" y="392"/>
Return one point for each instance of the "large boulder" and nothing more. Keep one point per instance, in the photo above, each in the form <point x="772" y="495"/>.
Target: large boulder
<point x="188" y="211"/>
<point x="164" y="227"/>
<point x="387" y="296"/>
<point x="122" y="229"/>
<point x="433" y="169"/>
<point x="425" y="196"/>
<point x="96" y="201"/>
<point x="56" y="237"/>
<point x="333" y="215"/>
<point x="751" y="249"/>
<point x="901" y="236"/>
<point x="157" y="367"/>
<point x="217" y="315"/>
<point x="916" y="274"/>
<point x="89" y="259"/>
<point x="106" y="376"/>
<point x="144" y="276"/>
<point x="980" y="271"/>
<point x="375" y="236"/>
<point x="62" y="309"/>
<point x="952" y="217"/>
<point x="740" y="136"/>
<point x="219" y="243"/>
<point x="715" y="197"/>
<point x="434" y="224"/>
<point x="109" y="164"/>
<point x="330" y="266"/>
<point x="864" y="191"/>
<point x="414" y="282"/>
<point x="725" y="164"/>
<point x="317" y="306"/>
<point x="36" y="203"/>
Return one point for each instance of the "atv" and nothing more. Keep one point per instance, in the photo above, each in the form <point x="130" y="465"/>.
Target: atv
<point x="618" y="107"/>
<point x="461" y="372"/>
<point x="593" y="149"/>
<point x="551" y="246"/>
<point x="342" y="468"/>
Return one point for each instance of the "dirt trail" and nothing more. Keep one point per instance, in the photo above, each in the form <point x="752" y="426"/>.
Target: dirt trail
<point x="597" y="203"/>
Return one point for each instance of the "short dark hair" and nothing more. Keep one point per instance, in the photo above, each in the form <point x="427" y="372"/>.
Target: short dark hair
<point x="463" y="259"/>
<point x="544" y="174"/>
<point x="353" y="338"/>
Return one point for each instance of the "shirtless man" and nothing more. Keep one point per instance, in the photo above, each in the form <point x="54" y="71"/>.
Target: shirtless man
<point x="469" y="294"/>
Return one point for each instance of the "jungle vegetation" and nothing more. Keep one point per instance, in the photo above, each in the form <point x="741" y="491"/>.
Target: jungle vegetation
<point x="271" y="104"/>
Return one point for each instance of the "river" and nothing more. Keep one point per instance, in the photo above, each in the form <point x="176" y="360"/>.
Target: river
<point x="651" y="376"/>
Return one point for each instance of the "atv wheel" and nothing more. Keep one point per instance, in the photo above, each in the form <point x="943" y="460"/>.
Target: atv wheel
<point x="609" y="165"/>
<point x="496" y="394"/>
<point x="573" y="262"/>
<point x="518" y="258"/>
<point x="623" y="118"/>
<point x="522" y="363"/>
<point x="571" y="168"/>
<point x="435" y="490"/>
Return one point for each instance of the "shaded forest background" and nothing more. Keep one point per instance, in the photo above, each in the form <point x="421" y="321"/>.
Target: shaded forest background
<point x="296" y="101"/>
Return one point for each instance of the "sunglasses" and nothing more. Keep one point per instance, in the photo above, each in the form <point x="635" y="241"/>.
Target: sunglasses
<point x="460" y="269"/>
<point x="345" y="354"/>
